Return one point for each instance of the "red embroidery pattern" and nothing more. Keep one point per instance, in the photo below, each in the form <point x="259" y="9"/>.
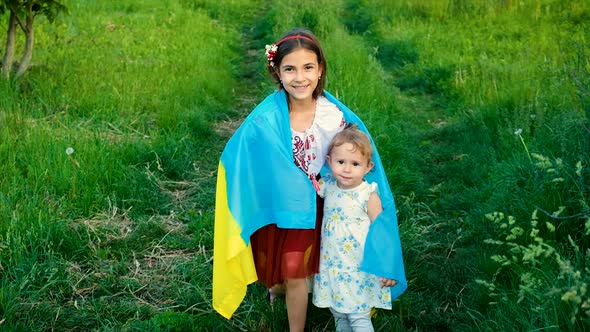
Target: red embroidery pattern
<point x="300" y="147"/>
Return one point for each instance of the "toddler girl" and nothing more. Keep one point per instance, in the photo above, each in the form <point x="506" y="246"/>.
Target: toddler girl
<point x="350" y="206"/>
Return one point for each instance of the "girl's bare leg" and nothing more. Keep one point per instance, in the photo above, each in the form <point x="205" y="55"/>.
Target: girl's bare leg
<point x="296" y="299"/>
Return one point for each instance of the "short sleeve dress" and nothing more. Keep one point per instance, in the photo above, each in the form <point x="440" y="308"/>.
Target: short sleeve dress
<point x="340" y="284"/>
<point x="279" y="253"/>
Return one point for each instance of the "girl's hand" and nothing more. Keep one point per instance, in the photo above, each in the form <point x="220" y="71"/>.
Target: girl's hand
<point x="388" y="282"/>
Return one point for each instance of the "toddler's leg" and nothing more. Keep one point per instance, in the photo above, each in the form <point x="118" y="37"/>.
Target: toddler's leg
<point x="341" y="320"/>
<point x="361" y="322"/>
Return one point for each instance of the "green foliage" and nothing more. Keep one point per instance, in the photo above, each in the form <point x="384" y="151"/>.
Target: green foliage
<point x="173" y="321"/>
<point x="542" y="265"/>
<point x="23" y="14"/>
<point x="395" y="54"/>
<point x="425" y="80"/>
<point x="356" y="17"/>
<point x="133" y="94"/>
<point x="475" y="106"/>
<point x="48" y="8"/>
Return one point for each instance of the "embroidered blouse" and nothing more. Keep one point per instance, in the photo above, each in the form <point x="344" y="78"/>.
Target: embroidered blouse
<point x="311" y="146"/>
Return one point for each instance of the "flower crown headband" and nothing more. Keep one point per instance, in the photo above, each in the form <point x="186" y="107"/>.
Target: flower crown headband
<point x="271" y="50"/>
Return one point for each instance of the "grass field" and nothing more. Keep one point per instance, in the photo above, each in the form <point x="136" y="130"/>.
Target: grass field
<point x="109" y="148"/>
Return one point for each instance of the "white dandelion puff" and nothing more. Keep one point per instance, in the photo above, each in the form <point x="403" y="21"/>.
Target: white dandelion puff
<point x="69" y="151"/>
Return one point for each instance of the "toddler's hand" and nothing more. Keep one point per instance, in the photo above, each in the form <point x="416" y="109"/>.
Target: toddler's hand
<point x="388" y="282"/>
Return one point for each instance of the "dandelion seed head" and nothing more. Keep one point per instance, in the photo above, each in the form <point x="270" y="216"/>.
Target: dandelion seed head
<point x="518" y="131"/>
<point x="69" y="151"/>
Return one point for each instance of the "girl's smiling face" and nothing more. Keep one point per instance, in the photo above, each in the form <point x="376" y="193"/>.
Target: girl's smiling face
<point x="299" y="73"/>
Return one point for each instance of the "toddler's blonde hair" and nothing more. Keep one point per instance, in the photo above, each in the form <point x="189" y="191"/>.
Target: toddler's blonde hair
<point x="353" y="135"/>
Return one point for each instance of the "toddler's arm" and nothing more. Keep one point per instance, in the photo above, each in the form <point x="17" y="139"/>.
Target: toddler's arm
<point x="374" y="207"/>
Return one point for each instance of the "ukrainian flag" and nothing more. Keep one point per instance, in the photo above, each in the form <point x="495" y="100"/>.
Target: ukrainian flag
<point x="258" y="184"/>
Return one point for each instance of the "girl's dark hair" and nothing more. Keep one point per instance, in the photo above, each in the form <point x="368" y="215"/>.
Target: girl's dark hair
<point x="290" y="45"/>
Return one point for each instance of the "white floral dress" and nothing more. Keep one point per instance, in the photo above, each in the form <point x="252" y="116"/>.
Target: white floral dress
<point x="340" y="284"/>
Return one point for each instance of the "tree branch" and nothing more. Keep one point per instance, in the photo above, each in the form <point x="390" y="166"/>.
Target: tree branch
<point x="18" y="20"/>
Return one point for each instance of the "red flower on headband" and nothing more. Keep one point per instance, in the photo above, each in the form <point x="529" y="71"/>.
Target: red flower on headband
<point x="271" y="51"/>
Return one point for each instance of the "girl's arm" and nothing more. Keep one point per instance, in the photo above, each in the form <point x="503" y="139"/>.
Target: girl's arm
<point x="374" y="207"/>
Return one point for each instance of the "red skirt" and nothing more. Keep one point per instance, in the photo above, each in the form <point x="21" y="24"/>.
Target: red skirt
<point x="281" y="253"/>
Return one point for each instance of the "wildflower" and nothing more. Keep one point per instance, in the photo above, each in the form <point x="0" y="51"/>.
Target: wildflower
<point x="571" y="296"/>
<point x="511" y="220"/>
<point x="491" y="287"/>
<point x="492" y="241"/>
<point x="534" y="219"/>
<point x="517" y="231"/>
<point x="559" y="162"/>
<point x="518" y="131"/>
<point x="69" y="152"/>
<point x="558" y="212"/>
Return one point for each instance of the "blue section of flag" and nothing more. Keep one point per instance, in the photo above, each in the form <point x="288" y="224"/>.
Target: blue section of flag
<point x="264" y="185"/>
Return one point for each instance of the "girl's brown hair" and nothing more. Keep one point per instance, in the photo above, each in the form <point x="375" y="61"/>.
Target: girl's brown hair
<point x="353" y="135"/>
<point x="310" y="42"/>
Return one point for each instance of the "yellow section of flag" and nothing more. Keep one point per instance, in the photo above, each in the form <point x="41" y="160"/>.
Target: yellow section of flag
<point x="233" y="263"/>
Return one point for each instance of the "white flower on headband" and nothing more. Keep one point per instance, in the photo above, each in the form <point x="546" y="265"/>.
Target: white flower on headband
<point x="270" y="52"/>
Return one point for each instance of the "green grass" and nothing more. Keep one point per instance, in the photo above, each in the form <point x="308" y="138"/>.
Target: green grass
<point x="118" y="236"/>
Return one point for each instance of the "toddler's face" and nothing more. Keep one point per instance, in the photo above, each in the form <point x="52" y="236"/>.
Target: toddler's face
<point x="349" y="166"/>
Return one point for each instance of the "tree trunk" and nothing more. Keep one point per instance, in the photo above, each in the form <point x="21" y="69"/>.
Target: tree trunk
<point x="25" y="61"/>
<point x="9" y="50"/>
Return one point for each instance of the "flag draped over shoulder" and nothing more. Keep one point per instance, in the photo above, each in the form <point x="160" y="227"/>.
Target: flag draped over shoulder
<point x="258" y="184"/>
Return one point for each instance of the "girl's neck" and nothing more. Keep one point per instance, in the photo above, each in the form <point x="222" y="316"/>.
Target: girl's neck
<point x="298" y="106"/>
<point x="301" y="114"/>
